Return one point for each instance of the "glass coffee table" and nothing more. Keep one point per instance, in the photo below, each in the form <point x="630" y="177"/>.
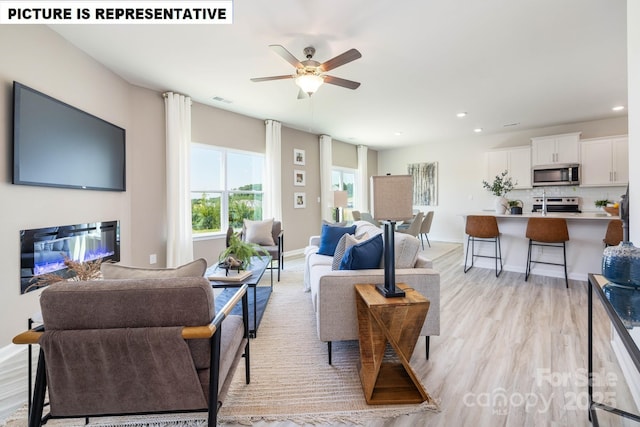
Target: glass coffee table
<point x="261" y="294"/>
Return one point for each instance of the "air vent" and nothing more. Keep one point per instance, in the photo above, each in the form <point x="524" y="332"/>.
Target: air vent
<point x="511" y="124"/>
<point x="221" y="99"/>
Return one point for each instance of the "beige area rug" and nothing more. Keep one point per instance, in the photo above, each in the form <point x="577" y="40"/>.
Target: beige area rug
<point x="291" y="380"/>
<point x="290" y="375"/>
<point x="438" y="249"/>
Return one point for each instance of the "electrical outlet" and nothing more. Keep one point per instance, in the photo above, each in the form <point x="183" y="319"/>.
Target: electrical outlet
<point x="153" y="258"/>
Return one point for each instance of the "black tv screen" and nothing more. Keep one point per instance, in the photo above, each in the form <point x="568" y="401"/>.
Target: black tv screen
<point x="58" y="145"/>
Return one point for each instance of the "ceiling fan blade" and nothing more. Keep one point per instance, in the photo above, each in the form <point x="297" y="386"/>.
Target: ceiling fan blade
<point x="349" y="84"/>
<point x="264" y="79"/>
<point x="348" y="56"/>
<point x="286" y="55"/>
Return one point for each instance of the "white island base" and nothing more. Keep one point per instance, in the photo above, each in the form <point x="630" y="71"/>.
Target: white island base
<point x="584" y="249"/>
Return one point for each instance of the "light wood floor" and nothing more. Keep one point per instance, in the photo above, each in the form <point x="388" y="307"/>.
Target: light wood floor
<point x="512" y="353"/>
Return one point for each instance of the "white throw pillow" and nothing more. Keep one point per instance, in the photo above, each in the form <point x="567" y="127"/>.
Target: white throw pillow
<point x="406" y="250"/>
<point x="259" y="232"/>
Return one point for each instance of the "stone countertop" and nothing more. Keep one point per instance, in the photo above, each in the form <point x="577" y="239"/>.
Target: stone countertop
<point x="566" y="215"/>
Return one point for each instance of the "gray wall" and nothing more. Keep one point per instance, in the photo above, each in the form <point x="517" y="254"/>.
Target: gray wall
<point x="38" y="57"/>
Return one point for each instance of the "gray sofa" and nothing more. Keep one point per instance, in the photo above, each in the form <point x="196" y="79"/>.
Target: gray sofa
<point x="333" y="295"/>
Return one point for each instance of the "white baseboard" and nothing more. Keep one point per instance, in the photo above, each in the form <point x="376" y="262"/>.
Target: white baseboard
<point x="13" y="378"/>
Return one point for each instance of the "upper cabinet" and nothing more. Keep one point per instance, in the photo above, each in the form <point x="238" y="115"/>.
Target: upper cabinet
<point x="605" y="161"/>
<point x="515" y="160"/>
<point x="547" y="150"/>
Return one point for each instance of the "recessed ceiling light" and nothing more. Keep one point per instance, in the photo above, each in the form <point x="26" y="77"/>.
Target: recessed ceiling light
<point x="461" y="114"/>
<point x="397" y="133"/>
<point x="618" y="108"/>
<point x="477" y="130"/>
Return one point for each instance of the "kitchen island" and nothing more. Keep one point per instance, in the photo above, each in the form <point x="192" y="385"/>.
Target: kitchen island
<point x="584" y="249"/>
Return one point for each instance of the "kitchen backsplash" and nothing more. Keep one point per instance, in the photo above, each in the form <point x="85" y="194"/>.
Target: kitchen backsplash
<point x="588" y="195"/>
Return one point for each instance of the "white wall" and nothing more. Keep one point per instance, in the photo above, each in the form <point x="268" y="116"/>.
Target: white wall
<point x="461" y="170"/>
<point x="633" y="75"/>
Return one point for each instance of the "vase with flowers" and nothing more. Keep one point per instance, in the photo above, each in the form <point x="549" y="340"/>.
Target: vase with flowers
<point x="501" y="185"/>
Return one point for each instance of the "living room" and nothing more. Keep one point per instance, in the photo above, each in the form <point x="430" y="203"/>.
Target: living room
<point x="41" y="58"/>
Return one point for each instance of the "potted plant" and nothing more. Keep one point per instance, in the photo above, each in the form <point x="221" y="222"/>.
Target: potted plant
<point x="238" y="253"/>
<point x="516" y="207"/>
<point x="501" y="185"/>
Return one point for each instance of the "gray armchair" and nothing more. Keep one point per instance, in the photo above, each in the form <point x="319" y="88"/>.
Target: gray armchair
<point x="135" y="346"/>
<point x="275" y="250"/>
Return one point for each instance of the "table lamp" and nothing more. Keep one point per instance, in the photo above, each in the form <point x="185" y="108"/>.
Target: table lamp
<point x="340" y="199"/>
<point x="391" y="201"/>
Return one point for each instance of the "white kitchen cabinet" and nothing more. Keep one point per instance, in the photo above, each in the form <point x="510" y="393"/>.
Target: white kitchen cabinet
<point x="515" y="160"/>
<point x="547" y="150"/>
<point x="605" y="161"/>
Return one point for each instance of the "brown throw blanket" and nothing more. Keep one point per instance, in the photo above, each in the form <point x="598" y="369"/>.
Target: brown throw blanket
<point x="111" y="371"/>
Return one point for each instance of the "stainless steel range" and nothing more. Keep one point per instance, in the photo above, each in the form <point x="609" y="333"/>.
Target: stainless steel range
<point x="557" y="204"/>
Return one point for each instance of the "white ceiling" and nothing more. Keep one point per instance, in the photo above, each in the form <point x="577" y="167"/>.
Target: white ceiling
<point x="532" y="62"/>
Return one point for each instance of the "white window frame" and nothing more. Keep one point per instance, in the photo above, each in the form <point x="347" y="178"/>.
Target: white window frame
<point x="342" y="171"/>
<point x="225" y="192"/>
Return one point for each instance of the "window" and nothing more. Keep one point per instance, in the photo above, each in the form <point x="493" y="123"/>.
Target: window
<point x="226" y="187"/>
<point x="344" y="179"/>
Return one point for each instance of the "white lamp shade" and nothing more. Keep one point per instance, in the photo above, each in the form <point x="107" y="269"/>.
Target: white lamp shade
<point x="340" y="199"/>
<point x="392" y="197"/>
<point x="309" y="82"/>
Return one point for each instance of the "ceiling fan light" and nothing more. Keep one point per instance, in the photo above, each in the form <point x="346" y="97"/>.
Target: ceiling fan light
<point x="309" y="82"/>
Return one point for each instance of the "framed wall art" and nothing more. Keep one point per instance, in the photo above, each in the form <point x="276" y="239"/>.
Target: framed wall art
<point x="425" y="183"/>
<point x="298" y="157"/>
<point x="299" y="178"/>
<point x="299" y="200"/>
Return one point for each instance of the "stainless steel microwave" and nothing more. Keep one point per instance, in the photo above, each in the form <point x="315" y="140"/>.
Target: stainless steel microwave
<point x="556" y="174"/>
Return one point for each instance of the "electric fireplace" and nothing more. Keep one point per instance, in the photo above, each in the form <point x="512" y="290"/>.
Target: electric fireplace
<point x="44" y="250"/>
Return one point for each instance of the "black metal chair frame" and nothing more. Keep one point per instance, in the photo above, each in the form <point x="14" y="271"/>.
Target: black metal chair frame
<point x="498" y="251"/>
<point x="280" y="257"/>
<point x="553" y="245"/>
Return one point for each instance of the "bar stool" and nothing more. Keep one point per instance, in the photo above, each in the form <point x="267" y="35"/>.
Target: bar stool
<point x="547" y="232"/>
<point x="483" y="228"/>
<point x="613" y="236"/>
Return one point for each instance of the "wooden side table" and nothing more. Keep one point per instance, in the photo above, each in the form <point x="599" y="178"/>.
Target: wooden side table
<point x="397" y="321"/>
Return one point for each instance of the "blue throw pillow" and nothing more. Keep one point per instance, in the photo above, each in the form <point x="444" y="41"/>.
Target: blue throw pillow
<point x="330" y="236"/>
<point x="363" y="255"/>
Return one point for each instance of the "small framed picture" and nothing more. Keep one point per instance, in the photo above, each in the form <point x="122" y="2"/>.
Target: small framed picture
<point x="299" y="200"/>
<point x="298" y="157"/>
<point x="299" y="178"/>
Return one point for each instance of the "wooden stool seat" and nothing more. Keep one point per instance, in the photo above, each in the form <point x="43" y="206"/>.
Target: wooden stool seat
<point x="547" y="232"/>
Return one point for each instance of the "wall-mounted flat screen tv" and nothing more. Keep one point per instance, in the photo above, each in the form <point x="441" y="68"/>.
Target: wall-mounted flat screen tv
<point x="58" y="145"/>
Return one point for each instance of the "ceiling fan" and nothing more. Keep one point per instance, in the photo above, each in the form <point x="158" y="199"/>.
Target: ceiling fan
<point x="310" y="74"/>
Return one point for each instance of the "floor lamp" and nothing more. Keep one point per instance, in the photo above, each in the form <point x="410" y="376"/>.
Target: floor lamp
<point x="340" y="199"/>
<point x="391" y="201"/>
